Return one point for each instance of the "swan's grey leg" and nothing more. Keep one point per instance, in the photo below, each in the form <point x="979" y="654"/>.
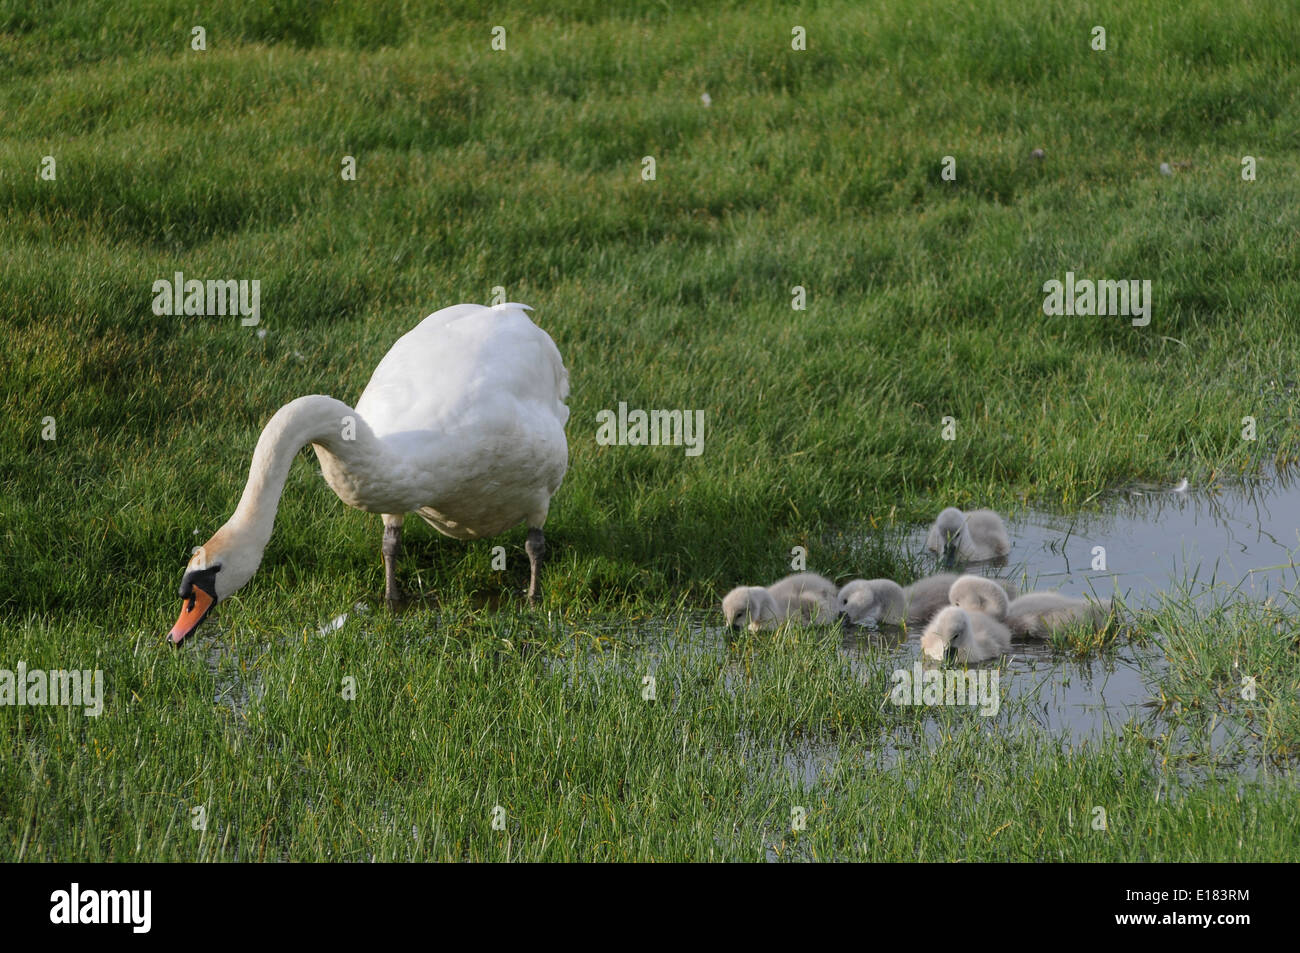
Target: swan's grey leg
<point x="391" y="548"/>
<point x="536" y="549"/>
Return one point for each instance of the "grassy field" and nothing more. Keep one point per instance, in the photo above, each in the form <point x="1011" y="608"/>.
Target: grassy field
<point x="522" y="169"/>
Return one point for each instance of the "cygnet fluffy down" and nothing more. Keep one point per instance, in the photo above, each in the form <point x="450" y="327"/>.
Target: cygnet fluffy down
<point x="970" y="636"/>
<point x="805" y="596"/>
<point x="973" y="536"/>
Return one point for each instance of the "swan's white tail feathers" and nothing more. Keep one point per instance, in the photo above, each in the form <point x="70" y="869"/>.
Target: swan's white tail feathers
<point x="561" y="373"/>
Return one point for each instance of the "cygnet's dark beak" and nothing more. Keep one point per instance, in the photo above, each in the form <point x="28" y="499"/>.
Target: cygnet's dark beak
<point x="950" y="548"/>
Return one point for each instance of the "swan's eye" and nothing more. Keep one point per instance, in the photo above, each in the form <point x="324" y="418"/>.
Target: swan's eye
<point x="204" y="578"/>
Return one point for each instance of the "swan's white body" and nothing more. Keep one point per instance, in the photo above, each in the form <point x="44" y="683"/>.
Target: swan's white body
<point x="977" y="535"/>
<point x="1039" y="614"/>
<point x="971" y="636"/>
<point x="462" y="422"/>
<point x="872" y="602"/>
<point x="805" y="596"/>
<point x="465" y="418"/>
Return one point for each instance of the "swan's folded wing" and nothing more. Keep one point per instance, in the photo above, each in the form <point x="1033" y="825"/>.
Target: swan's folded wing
<point x="462" y="365"/>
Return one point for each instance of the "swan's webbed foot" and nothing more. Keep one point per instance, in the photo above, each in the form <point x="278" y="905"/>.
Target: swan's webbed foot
<point x="392" y="547"/>
<point x="536" y="549"/>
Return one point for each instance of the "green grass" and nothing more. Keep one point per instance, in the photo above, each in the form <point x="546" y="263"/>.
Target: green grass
<point x="521" y="169"/>
<point x="449" y="723"/>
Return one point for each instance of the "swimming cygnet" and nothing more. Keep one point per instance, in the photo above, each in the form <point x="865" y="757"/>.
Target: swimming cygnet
<point x="976" y="535"/>
<point x="979" y="594"/>
<point x="750" y="606"/>
<point x="805" y="596"/>
<point x="1039" y="614"/>
<point x="871" y="601"/>
<point x="927" y="596"/>
<point x="971" y="636"/>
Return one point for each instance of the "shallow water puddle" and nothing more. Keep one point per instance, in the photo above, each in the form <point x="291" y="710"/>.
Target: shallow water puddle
<point x="1220" y="544"/>
<point x="239" y="686"/>
<point x="1226" y="541"/>
<point x="1081" y="699"/>
<point x="1076" y="699"/>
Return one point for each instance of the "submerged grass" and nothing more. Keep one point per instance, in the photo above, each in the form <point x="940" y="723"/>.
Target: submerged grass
<point x="522" y="169"/>
<point x="551" y="723"/>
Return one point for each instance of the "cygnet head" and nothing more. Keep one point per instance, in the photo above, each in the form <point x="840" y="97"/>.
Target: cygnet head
<point x="870" y="602"/>
<point x="748" y="605"/>
<point x="950" y="624"/>
<point x="857" y="603"/>
<point x="977" y="594"/>
<point x="948" y="526"/>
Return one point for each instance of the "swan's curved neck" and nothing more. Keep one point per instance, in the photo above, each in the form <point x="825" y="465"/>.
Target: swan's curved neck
<point x="316" y="419"/>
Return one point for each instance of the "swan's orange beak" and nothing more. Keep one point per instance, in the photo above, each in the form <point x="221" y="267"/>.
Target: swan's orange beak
<point x="191" y="615"/>
<point x="199" y="594"/>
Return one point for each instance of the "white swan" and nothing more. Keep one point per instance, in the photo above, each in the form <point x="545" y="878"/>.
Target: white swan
<point x="872" y="601"/>
<point x="1039" y="614"/>
<point x="970" y="636"/>
<point x="979" y="594"/>
<point x="462" y="422"/>
<point x="977" y="535"/>
<point x="806" y="596"/>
